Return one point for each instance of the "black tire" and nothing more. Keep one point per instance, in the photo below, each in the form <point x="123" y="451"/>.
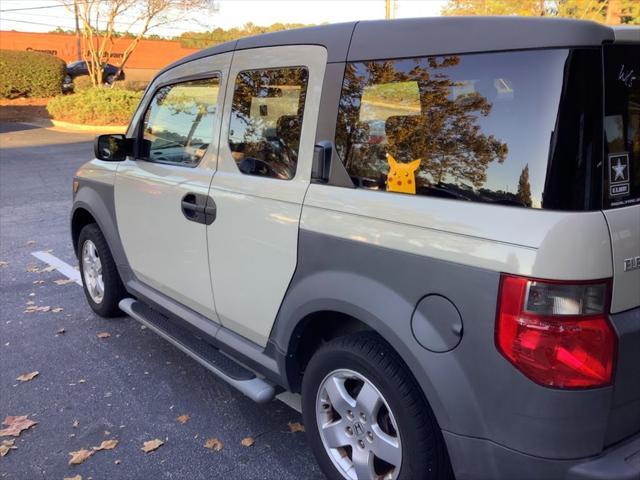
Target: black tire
<point x="114" y="290"/>
<point x="109" y="79"/>
<point x="424" y="453"/>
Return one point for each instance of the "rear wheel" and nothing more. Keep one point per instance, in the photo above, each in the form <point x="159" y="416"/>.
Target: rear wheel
<point x="100" y="280"/>
<point x="366" y="417"/>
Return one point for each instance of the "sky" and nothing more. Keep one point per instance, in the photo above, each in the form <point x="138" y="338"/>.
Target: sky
<point x="46" y="15"/>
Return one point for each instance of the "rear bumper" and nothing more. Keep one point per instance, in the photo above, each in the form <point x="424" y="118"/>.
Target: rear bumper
<point x="477" y="459"/>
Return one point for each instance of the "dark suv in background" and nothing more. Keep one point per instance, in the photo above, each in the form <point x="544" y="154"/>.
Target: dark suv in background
<point x="79" y="68"/>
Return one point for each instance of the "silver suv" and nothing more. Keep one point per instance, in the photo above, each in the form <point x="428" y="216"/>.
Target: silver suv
<point x="429" y="228"/>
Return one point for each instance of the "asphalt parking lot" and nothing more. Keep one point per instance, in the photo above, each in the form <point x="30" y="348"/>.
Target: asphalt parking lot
<point x="130" y="386"/>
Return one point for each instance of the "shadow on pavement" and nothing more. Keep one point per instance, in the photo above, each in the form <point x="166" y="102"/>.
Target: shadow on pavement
<point x="7" y="127"/>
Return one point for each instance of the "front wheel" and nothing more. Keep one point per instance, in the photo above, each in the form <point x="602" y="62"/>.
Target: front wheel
<point x="366" y="417"/>
<point x="100" y="280"/>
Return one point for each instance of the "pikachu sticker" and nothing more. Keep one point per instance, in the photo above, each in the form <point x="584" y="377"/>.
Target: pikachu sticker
<point x="402" y="176"/>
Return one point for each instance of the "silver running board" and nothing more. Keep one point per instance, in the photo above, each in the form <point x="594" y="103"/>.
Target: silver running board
<point x="225" y="368"/>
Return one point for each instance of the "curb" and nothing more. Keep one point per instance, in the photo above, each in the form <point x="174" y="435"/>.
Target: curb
<point x="89" y="128"/>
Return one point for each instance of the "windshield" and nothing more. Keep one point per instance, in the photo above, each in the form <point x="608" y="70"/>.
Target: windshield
<point x="622" y="125"/>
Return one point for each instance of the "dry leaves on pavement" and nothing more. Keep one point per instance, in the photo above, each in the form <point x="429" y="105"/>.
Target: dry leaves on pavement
<point x="214" y="444"/>
<point x="152" y="445"/>
<point x="104" y="335"/>
<point x="3" y="264"/>
<point x="16" y="424"/>
<point x="106" y="445"/>
<point x="32" y="308"/>
<point x="63" y="281"/>
<point x="62" y="331"/>
<point x="247" y="442"/>
<point x="26" y="377"/>
<point x="79" y="456"/>
<point x="34" y="268"/>
<point x="295" y="427"/>
<point x="5" y="446"/>
<point x="75" y="423"/>
<point x="77" y="477"/>
<point x="184" y="418"/>
<point x="31" y="242"/>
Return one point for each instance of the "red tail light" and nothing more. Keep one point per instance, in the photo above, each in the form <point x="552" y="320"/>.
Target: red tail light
<point x="557" y="333"/>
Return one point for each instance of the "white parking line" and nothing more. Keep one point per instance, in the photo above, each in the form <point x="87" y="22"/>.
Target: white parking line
<point x="63" y="267"/>
<point x="289" y="399"/>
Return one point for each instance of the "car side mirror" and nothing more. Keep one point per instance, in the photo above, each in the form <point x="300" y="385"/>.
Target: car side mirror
<point x="113" y="147"/>
<point x="321" y="166"/>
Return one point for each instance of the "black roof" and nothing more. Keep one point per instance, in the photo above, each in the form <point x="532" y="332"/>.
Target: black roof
<point x="378" y="39"/>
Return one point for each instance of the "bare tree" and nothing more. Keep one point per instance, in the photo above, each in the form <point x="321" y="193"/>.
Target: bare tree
<point x="102" y="19"/>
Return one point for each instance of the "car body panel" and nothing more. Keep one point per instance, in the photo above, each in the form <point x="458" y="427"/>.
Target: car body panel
<point x="253" y="242"/>
<point x="148" y="210"/>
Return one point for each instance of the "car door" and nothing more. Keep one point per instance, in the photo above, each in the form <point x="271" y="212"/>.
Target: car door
<point x="264" y="169"/>
<point x="161" y="195"/>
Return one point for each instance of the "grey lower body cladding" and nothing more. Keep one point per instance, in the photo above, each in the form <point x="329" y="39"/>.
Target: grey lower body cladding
<point x="476" y="395"/>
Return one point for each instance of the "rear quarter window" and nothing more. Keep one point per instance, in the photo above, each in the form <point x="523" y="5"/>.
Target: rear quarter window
<point x="622" y="125"/>
<point x="513" y="128"/>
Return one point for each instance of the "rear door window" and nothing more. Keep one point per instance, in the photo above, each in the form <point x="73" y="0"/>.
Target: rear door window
<point x="622" y="125"/>
<point x="266" y="121"/>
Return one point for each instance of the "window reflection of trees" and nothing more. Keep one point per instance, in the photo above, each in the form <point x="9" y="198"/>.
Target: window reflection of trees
<point x="181" y="118"/>
<point x="265" y="140"/>
<point x="445" y="134"/>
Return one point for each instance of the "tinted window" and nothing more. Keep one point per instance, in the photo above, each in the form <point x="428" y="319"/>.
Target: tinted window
<point x="622" y="125"/>
<point x="482" y="127"/>
<point x="179" y="122"/>
<point x="266" y="121"/>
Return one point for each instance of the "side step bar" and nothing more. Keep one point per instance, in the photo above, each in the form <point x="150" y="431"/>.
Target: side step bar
<point x="236" y="375"/>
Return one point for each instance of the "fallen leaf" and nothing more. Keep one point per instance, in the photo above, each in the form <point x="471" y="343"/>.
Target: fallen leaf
<point x="296" y="427"/>
<point x="104" y="335"/>
<point x="38" y="282"/>
<point x="30" y="302"/>
<point x="5" y="446"/>
<point x="31" y="242"/>
<point x="82" y="380"/>
<point x="62" y="281"/>
<point x="106" y="445"/>
<point x="152" y="445"/>
<point x="75" y="423"/>
<point x="214" y="444"/>
<point x="79" y="456"/>
<point x="25" y="377"/>
<point x="32" y="268"/>
<point x="247" y="442"/>
<point x="4" y="264"/>
<point x="32" y="308"/>
<point x="50" y="268"/>
<point x="56" y="309"/>
<point x="62" y="331"/>
<point x="15" y="425"/>
<point x="77" y="477"/>
<point x="117" y="462"/>
<point x="183" y="418"/>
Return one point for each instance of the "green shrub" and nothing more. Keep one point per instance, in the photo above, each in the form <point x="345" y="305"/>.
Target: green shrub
<point x="30" y="74"/>
<point x="81" y="83"/>
<point x="133" y="85"/>
<point x="96" y="106"/>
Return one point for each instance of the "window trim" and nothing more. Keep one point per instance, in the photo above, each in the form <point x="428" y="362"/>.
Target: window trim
<point x="140" y="127"/>
<point x="233" y="91"/>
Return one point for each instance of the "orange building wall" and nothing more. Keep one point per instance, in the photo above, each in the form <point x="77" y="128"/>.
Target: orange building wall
<point x="149" y="54"/>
